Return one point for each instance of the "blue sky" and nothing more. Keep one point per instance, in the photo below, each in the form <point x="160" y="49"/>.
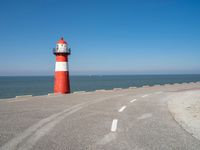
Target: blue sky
<point x="106" y="36"/>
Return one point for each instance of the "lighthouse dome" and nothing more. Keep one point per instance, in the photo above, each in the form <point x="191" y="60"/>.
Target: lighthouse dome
<point x="62" y="41"/>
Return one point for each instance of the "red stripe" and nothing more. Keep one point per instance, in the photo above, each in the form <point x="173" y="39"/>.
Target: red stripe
<point x="61" y="58"/>
<point x="62" y="84"/>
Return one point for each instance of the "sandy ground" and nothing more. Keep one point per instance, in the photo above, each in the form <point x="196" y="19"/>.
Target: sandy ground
<point x="185" y="108"/>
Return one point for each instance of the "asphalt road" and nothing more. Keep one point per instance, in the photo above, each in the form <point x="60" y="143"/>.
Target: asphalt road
<point x="125" y="119"/>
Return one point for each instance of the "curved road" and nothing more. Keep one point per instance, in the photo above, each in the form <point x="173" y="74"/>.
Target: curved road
<point x="117" y="119"/>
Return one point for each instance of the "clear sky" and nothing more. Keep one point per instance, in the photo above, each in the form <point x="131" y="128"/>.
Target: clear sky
<point x="106" y="36"/>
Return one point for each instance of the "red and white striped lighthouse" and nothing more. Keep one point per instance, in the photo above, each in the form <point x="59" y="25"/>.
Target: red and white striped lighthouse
<point x="61" y="83"/>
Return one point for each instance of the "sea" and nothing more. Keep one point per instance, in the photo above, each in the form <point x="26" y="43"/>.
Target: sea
<point x="42" y="85"/>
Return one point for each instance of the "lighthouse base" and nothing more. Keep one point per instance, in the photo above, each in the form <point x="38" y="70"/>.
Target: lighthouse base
<point x="62" y="84"/>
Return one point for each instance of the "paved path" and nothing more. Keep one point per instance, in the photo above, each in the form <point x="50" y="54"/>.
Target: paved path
<point x="117" y="119"/>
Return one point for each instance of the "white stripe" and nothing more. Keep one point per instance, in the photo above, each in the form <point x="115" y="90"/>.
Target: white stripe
<point x="61" y="66"/>
<point x="122" y="109"/>
<point x="133" y="100"/>
<point x="114" y="125"/>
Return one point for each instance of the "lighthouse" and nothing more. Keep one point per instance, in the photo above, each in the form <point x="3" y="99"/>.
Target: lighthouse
<point x="61" y="80"/>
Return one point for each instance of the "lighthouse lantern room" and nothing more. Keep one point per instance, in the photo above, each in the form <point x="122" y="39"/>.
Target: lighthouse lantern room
<point x="61" y="47"/>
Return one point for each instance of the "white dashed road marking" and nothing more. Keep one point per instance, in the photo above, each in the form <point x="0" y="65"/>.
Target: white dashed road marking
<point x="114" y="125"/>
<point x="122" y="109"/>
<point x="158" y="92"/>
<point x="133" y="100"/>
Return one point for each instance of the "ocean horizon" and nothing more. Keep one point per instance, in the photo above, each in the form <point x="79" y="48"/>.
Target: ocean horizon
<point x="11" y="86"/>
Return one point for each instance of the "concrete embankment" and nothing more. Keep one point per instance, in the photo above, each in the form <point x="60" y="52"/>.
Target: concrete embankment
<point x="185" y="108"/>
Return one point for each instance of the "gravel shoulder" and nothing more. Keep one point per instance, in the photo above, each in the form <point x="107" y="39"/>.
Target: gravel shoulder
<point x="185" y="108"/>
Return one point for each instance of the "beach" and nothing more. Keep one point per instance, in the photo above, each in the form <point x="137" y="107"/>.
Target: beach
<point x="148" y="117"/>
